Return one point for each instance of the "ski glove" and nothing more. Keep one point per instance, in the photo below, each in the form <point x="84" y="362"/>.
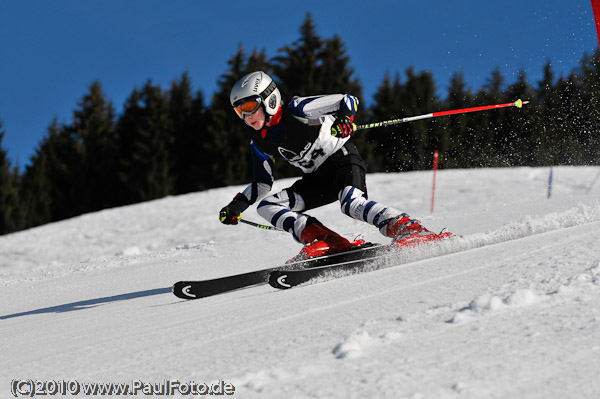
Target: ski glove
<point x="343" y="127"/>
<point x="232" y="213"/>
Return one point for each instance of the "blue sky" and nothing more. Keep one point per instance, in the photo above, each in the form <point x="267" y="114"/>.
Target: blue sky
<point x="51" y="51"/>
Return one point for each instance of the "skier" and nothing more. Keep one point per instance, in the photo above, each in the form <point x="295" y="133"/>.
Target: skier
<point x="311" y="133"/>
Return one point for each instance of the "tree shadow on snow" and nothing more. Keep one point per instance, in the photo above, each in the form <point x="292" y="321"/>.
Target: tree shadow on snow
<point x="69" y="307"/>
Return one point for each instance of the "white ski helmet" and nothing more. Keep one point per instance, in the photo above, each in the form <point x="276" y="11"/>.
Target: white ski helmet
<point x="257" y="84"/>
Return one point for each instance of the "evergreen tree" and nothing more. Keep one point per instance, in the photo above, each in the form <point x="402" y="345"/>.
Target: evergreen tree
<point x="187" y="115"/>
<point x="423" y="137"/>
<point x="463" y="148"/>
<point x="405" y="146"/>
<point x="145" y="143"/>
<point x="334" y="72"/>
<point x="10" y="211"/>
<point x="313" y="65"/>
<point x="74" y="168"/>
<point x="50" y="184"/>
<point x="94" y="130"/>
<point x="588" y="121"/>
<point x="548" y="118"/>
<point x="379" y="141"/>
<point x="36" y="189"/>
<point x="518" y="130"/>
<point x="569" y="93"/>
<point x="226" y="138"/>
<point x="489" y="124"/>
<point x="298" y="66"/>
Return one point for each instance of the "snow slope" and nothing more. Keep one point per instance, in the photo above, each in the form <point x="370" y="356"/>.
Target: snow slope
<point x="511" y="309"/>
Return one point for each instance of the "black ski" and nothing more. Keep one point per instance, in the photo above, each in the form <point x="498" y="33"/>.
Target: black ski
<point x="195" y="289"/>
<point x="284" y="279"/>
<point x="365" y="261"/>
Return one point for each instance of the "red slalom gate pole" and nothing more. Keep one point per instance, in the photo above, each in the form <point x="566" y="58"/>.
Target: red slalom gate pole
<point x="435" y="167"/>
<point x="596" y="9"/>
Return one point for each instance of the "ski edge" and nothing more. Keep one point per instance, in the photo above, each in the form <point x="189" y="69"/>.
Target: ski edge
<point x="278" y="278"/>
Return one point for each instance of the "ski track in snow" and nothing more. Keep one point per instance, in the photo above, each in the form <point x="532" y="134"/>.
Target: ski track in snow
<point x="511" y="308"/>
<point x="374" y="338"/>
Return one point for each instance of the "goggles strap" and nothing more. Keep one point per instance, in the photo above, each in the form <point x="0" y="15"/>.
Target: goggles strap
<point x="270" y="89"/>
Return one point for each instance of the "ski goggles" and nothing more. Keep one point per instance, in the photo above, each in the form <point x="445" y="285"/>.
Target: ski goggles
<point x="247" y="106"/>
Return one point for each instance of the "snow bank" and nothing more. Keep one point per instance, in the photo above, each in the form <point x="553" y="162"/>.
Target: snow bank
<point x="576" y="287"/>
<point x="355" y="345"/>
<point x="493" y="303"/>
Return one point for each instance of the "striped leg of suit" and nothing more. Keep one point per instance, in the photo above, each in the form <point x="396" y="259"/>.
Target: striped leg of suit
<point x="355" y="204"/>
<point x="281" y="210"/>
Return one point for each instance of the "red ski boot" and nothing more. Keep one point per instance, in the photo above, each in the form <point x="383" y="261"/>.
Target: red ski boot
<point x="319" y="241"/>
<point x="407" y="232"/>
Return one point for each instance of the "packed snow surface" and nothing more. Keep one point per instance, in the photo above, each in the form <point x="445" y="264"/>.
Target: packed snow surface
<point x="509" y="308"/>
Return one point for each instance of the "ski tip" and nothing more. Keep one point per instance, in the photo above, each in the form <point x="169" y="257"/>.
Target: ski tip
<point x="277" y="279"/>
<point x="182" y="289"/>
